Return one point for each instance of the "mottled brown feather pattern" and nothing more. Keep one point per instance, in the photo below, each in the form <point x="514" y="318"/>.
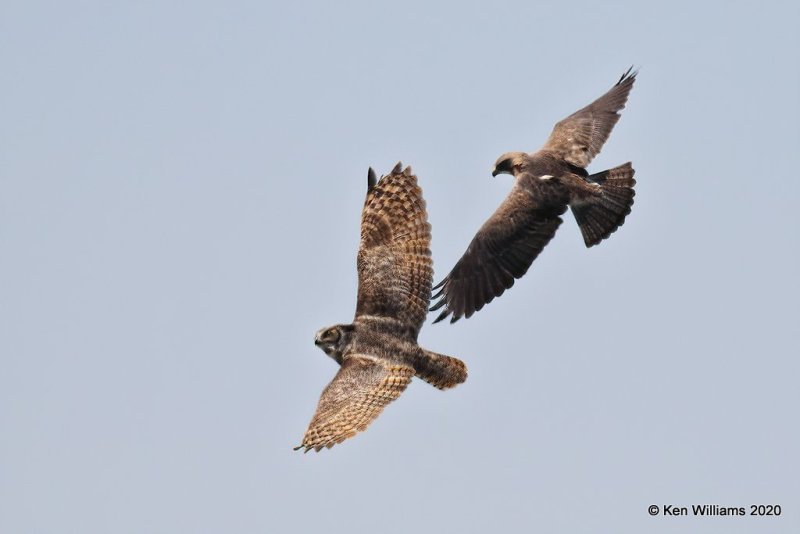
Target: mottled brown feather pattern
<point x="395" y="270"/>
<point x="378" y="352"/>
<point x="440" y="371"/>
<point x="357" y="395"/>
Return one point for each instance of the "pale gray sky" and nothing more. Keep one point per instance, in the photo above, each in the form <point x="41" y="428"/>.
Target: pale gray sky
<point x="180" y="193"/>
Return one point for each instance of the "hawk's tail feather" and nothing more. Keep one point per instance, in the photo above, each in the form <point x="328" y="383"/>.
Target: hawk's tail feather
<point x="600" y="216"/>
<point x="439" y="370"/>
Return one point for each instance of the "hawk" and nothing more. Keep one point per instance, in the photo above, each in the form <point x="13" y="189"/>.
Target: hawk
<point x="546" y="182"/>
<point x="378" y="352"/>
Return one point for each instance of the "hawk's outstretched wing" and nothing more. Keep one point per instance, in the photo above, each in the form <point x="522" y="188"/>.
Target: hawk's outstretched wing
<point x="395" y="270"/>
<point x="354" y="398"/>
<point x="502" y="250"/>
<point x="579" y="138"/>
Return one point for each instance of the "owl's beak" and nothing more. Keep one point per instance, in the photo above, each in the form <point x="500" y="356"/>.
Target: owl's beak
<point x="317" y="340"/>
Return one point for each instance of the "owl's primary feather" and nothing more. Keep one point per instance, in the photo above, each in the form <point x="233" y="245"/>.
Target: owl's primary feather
<point x="355" y="397"/>
<point x="395" y="270"/>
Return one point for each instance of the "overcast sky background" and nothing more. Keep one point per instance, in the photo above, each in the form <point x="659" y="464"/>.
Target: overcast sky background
<point x="180" y="196"/>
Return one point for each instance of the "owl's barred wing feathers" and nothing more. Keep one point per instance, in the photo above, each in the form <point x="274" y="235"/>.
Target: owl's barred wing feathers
<point x="579" y="137"/>
<point x="502" y="250"/>
<point x="395" y="270"/>
<point x="355" y="397"/>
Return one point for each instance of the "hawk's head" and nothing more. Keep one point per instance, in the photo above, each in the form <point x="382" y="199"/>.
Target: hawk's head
<point x="334" y="339"/>
<point x="511" y="163"/>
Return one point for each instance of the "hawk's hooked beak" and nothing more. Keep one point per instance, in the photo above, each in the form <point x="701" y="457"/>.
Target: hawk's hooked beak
<point x="495" y="172"/>
<point x="317" y="340"/>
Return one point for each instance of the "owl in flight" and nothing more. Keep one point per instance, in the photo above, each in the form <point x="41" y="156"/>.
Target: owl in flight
<point x="546" y="182"/>
<point x="378" y="351"/>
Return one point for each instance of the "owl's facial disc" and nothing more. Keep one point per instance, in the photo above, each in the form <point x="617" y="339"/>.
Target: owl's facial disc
<point x="329" y="339"/>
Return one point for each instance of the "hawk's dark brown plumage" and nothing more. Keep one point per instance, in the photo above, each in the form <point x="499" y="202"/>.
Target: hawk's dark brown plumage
<point x="546" y="183"/>
<point x="378" y="352"/>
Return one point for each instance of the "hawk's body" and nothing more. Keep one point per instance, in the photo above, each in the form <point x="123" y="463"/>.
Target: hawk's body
<point x="546" y="183"/>
<point x="378" y="351"/>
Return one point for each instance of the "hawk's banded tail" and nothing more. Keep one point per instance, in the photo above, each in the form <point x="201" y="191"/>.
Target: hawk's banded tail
<point x="599" y="216"/>
<point x="439" y="370"/>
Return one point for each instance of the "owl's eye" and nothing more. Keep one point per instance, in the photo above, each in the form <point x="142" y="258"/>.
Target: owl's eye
<point x="331" y="335"/>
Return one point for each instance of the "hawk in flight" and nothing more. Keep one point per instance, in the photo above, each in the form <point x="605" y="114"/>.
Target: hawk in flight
<point x="546" y="182"/>
<point x="378" y="351"/>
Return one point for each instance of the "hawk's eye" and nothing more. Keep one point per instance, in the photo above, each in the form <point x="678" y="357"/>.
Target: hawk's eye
<point x="518" y="166"/>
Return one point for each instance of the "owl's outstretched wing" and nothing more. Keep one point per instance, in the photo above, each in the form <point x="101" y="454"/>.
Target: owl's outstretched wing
<point x="355" y="397"/>
<point x="395" y="270"/>
<point x="502" y="250"/>
<point x="579" y="137"/>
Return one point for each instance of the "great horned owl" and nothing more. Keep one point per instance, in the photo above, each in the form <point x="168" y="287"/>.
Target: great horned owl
<point x="546" y="182"/>
<point x="378" y="351"/>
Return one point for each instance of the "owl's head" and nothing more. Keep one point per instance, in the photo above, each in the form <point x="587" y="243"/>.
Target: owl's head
<point x="334" y="339"/>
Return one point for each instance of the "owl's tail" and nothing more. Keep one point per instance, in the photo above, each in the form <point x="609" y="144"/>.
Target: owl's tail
<point x="439" y="370"/>
<point x="599" y="216"/>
